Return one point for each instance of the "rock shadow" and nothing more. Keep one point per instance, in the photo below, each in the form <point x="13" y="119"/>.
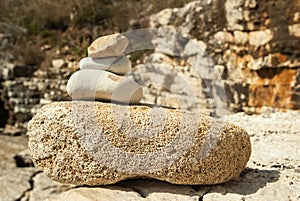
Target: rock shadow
<point x="144" y="187"/>
<point x="249" y="182"/>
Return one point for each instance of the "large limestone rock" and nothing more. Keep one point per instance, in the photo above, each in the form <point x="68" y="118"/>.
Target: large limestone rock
<point x="98" y="143"/>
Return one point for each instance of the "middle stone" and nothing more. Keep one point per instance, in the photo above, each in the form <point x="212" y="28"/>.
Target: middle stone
<point x="119" y="65"/>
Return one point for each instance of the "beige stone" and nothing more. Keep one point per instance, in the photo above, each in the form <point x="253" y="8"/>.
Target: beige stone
<point x="128" y="194"/>
<point x="108" y="46"/>
<point x="162" y="18"/>
<point x="90" y="84"/>
<point x="118" y="65"/>
<point x="222" y="37"/>
<point x="241" y="38"/>
<point x="45" y="189"/>
<point x="258" y="38"/>
<point x="98" y="143"/>
<point x="94" y="194"/>
<point x="58" y="63"/>
<point x="294" y="30"/>
<point x="233" y="15"/>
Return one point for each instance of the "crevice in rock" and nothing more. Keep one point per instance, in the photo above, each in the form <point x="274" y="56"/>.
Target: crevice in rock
<point x="196" y="187"/>
<point x="31" y="182"/>
<point x="201" y="198"/>
<point x="140" y="192"/>
<point x="3" y="113"/>
<point x="135" y="189"/>
<point x="23" y="159"/>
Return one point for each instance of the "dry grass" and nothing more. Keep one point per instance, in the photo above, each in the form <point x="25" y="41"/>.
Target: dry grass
<point x="73" y="23"/>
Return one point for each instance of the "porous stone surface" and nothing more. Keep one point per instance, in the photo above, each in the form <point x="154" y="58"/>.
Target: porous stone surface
<point x="89" y="84"/>
<point x="273" y="172"/>
<point x="108" y="46"/>
<point x="100" y="143"/>
<point x="118" y="65"/>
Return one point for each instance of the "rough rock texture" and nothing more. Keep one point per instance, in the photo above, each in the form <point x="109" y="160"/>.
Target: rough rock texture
<point x="254" y="45"/>
<point x="100" y="143"/>
<point x="25" y="89"/>
<point x="273" y="172"/>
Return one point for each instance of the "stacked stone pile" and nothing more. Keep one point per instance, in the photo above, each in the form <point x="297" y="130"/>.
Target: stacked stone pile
<point x="101" y="73"/>
<point x="98" y="142"/>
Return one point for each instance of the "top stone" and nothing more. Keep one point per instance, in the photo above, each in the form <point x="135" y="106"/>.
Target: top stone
<point x="108" y="46"/>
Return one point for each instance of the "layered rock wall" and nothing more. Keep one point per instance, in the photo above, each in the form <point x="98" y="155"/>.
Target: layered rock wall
<point x="24" y="89"/>
<point x="254" y="45"/>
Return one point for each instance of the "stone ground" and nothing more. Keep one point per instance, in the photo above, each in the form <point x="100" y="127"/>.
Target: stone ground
<point x="273" y="172"/>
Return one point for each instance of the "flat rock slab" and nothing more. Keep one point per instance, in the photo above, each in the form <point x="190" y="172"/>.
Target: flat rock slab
<point x="44" y="189"/>
<point x="9" y="147"/>
<point x="129" y="194"/>
<point x="96" y="143"/>
<point x="15" y="182"/>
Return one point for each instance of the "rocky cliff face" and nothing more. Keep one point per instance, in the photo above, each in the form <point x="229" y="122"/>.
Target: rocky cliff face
<point x="253" y="44"/>
<point x="24" y="89"/>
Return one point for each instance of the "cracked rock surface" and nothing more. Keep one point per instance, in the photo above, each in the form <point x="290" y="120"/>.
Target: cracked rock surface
<point x="273" y="172"/>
